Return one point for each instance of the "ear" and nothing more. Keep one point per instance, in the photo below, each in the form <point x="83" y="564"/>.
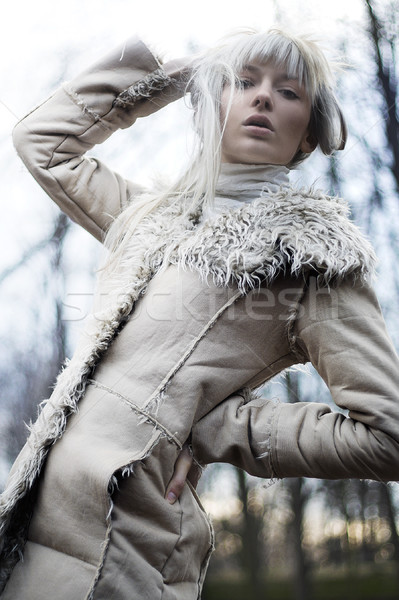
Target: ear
<point x="308" y="143"/>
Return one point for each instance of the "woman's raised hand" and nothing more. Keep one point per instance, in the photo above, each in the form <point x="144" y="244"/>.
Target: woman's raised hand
<point x="179" y="68"/>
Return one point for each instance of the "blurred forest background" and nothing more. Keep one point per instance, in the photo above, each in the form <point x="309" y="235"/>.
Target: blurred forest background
<point x="298" y="539"/>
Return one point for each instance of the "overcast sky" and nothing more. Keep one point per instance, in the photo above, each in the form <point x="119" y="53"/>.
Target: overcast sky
<point x="33" y="33"/>
<point x="45" y="24"/>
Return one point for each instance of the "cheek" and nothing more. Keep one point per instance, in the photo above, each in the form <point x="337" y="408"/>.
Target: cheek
<point x="298" y="123"/>
<point x="235" y="110"/>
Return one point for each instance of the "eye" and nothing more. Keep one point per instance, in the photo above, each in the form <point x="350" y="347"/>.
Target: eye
<point x="289" y="94"/>
<point x="244" y="83"/>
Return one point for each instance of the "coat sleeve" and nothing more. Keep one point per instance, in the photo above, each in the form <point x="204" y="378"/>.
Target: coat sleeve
<point x="53" y="139"/>
<point x="342" y="332"/>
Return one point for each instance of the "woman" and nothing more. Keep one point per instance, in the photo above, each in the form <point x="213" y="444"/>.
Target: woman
<point x="212" y="286"/>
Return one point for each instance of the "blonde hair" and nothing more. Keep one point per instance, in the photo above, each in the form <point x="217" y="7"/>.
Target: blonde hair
<point x="211" y="72"/>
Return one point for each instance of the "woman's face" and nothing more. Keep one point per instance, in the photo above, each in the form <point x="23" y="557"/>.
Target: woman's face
<point x="269" y="117"/>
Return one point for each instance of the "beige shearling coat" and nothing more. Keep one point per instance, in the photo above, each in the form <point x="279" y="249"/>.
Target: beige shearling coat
<point x="263" y="287"/>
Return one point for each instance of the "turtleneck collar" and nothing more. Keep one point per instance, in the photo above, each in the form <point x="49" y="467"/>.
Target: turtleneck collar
<point x="247" y="182"/>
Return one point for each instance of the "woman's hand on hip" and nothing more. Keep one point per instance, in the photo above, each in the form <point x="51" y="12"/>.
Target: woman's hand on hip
<point x="185" y="468"/>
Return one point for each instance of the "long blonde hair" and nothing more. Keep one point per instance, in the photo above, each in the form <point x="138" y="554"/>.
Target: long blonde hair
<point x="215" y="68"/>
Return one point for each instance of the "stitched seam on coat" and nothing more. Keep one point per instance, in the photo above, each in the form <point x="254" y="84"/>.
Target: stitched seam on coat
<point x="37" y="543"/>
<point x="79" y="101"/>
<point x="267" y="453"/>
<point x="90" y="594"/>
<point x="98" y="120"/>
<point x="273" y="457"/>
<point x="155" y="398"/>
<point x="211" y="545"/>
<point x="205" y="562"/>
<point x="173" y="549"/>
<point x="269" y="368"/>
<point x="139" y="411"/>
<point x="49" y="168"/>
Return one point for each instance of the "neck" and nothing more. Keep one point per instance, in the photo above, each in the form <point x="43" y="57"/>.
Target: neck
<point x="248" y="182"/>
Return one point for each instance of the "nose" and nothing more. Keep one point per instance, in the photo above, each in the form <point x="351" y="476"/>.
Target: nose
<point x="263" y="97"/>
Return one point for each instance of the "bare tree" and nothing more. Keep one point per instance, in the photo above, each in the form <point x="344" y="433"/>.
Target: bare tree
<point x="297" y="498"/>
<point x="28" y="373"/>
<point x="384" y="36"/>
<point x="252" y="551"/>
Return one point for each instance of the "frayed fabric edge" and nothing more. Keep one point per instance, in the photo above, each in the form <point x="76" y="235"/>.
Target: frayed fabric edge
<point x="266" y="444"/>
<point x="77" y="99"/>
<point x="264" y="448"/>
<point x="145" y="88"/>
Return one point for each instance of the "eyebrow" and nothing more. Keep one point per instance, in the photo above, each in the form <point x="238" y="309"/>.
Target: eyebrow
<point x="281" y="75"/>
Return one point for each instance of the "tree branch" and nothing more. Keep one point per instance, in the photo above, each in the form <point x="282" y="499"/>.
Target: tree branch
<point x="61" y="226"/>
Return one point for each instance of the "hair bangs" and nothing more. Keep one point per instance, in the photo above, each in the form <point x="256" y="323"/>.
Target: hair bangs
<point x="282" y="53"/>
<point x="300" y="56"/>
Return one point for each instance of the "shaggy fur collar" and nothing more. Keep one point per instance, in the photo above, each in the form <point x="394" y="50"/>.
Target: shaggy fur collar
<point x="287" y="231"/>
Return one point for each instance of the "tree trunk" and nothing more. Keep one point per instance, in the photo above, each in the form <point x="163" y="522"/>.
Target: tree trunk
<point x="387" y="80"/>
<point x="386" y="494"/>
<point x="30" y="375"/>
<point x="251" y="543"/>
<point x="297" y="501"/>
<point x="301" y="568"/>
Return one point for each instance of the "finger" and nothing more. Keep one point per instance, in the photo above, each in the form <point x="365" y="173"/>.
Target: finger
<point x="176" y="484"/>
<point x="194" y="474"/>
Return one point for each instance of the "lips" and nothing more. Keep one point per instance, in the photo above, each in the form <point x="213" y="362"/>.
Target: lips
<point x="260" y="121"/>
